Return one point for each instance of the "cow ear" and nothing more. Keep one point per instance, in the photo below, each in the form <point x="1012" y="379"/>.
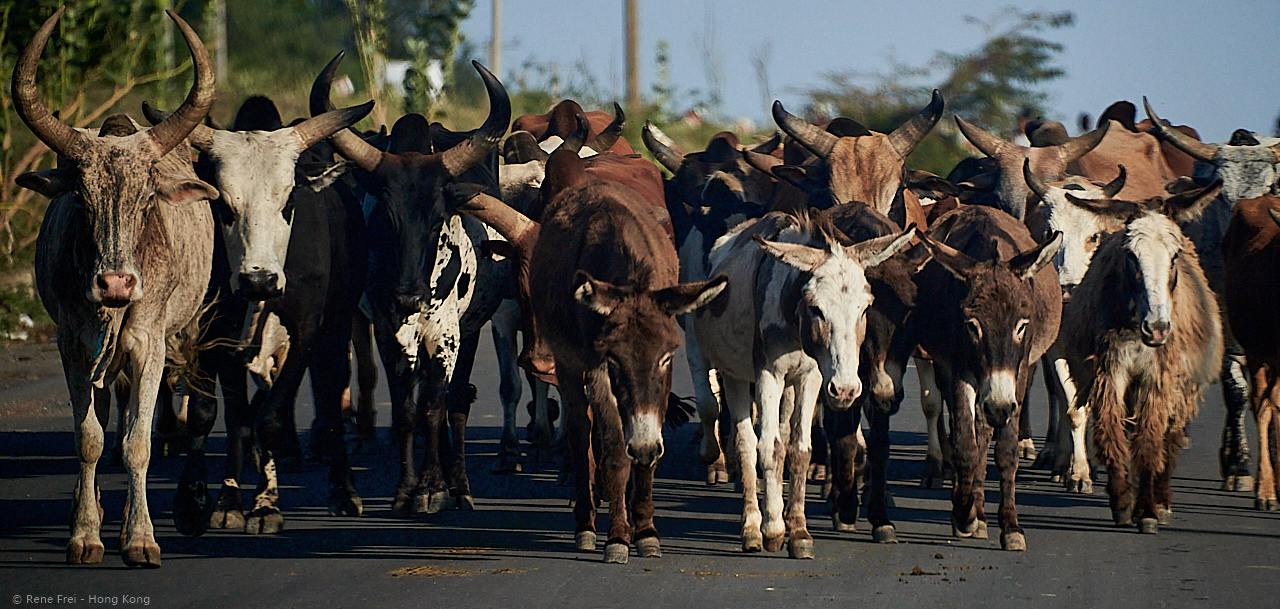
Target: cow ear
<point x="327" y="175"/>
<point x="955" y="261"/>
<point x="794" y="255"/>
<point x="1114" y="208"/>
<point x="52" y="183"/>
<point x="596" y="295"/>
<point x="874" y="251"/>
<point x="499" y="247"/>
<point x="1187" y="206"/>
<point x="1275" y="216"/>
<point x="182" y="191"/>
<point x="916" y="178"/>
<point x="688" y="297"/>
<point x="800" y="176"/>
<point x="1028" y="263"/>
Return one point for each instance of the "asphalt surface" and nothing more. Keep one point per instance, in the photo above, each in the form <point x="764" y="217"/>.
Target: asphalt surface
<point x="516" y="548"/>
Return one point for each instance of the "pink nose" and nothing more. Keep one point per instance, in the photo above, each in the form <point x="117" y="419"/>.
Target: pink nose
<point x="844" y="395"/>
<point x="117" y="286"/>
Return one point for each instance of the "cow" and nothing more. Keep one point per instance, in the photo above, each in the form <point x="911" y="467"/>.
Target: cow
<point x="122" y="262"/>
<point x="431" y="287"/>
<point x="792" y="323"/>
<point x="1251" y="256"/>
<point x="988" y="308"/>
<point x="1146" y="171"/>
<point x="561" y="121"/>
<point x="1248" y="168"/>
<point x="1082" y="231"/>
<point x="285" y="331"/>
<point x="1143" y="338"/>
<point x="1179" y="162"/>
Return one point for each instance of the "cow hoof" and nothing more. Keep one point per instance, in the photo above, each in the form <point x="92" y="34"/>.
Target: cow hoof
<point x="1164" y="515"/>
<point x="431" y="503"/>
<point x="1055" y="477"/>
<point x="773" y="544"/>
<point x="80" y="552"/>
<point x="226" y="519"/>
<point x="649" y="547"/>
<point x="1148" y="526"/>
<point x="752" y="542"/>
<point x="1013" y="542"/>
<point x="722" y="477"/>
<point x="1122" y="517"/>
<point x="508" y="463"/>
<point x="841" y="526"/>
<point x="192" y="508"/>
<point x="585" y="541"/>
<point x="1026" y="449"/>
<point x="145" y="555"/>
<point x="965" y="531"/>
<point x="616" y="553"/>
<point x="1266" y="505"/>
<point x="800" y="548"/>
<point x="884" y="533"/>
<point x="465" y="502"/>
<point x="1240" y="484"/>
<point x="1082" y="487"/>
<point x="713" y="477"/>
<point x="264" y="521"/>
<point x="345" y="504"/>
<point x="981" y="531"/>
<point x="1046" y="458"/>
<point x="826" y="489"/>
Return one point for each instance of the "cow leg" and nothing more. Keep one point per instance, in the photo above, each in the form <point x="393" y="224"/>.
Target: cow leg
<point x="1266" y="393"/>
<point x="1233" y="457"/>
<point x="1153" y="409"/>
<point x="931" y="404"/>
<point x="548" y="440"/>
<point x="171" y="425"/>
<point x="1007" y="455"/>
<point x="503" y="326"/>
<point x="432" y="493"/>
<point x="138" y="545"/>
<point x="404" y="421"/>
<point x="1106" y="401"/>
<point x="1047" y="458"/>
<point x="330" y="375"/>
<point x="709" y="451"/>
<point x="842" y="428"/>
<point x="92" y="409"/>
<point x="366" y="380"/>
<point x="274" y="428"/>
<point x="967" y="460"/>
<point x="878" y="446"/>
<point x="461" y="395"/>
<point x="192" y="503"/>
<point x="229" y="511"/>
<point x="1026" y="444"/>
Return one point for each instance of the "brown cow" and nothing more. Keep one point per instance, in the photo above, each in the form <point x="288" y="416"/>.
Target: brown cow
<point x="1251" y="249"/>
<point x="1146" y="172"/>
<point x="122" y="263"/>
<point x="1143" y="338"/>
<point x="561" y="121"/>
<point x="1179" y="162"/>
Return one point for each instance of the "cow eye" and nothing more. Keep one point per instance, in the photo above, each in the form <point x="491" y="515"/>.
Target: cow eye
<point x="975" y="329"/>
<point x="287" y="212"/>
<point x="1020" y="330"/>
<point x="1094" y="238"/>
<point x="223" y="212"/>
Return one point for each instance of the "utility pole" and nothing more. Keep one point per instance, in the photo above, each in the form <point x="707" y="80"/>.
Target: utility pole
<point x="495" y="42"/>
<point x="166" y="38"/>
<point x="632" y="26"/>
<point x="220" y="40"/>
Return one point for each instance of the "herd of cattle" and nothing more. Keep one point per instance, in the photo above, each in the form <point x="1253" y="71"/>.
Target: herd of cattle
<point x="803" y="274"/>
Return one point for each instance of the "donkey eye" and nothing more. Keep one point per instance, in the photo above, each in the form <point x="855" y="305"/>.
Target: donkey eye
<point x="1020" y="330"/>
<point x="975" y="328"/>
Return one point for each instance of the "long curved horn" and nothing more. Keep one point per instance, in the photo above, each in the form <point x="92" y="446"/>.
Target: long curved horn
<point x="987" y="143"/>
<point x="908" y="135"/>
<point x="26" y="99"/>
<point x="349" y="145"/>
<point x="574" y="141"/>
<point x="461" y="157"/>
<point x="767" y="146"/>
<point x="1190" y="145"/>
<point x="1037" y="185"/>
<point x="315" y="129"/>
<point x="668" y="157"/>
<point x="174" y="129"/>
<point x="1115" y="186"/>
<point x="816" y="140"/>
<point x="511" y="224"/>
<point x="1081" y="145"/>
<point x="201" y="137"/>
<point x="605" y="139"/>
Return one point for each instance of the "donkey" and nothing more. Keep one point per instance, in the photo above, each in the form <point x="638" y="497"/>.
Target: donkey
<point x="1143" y="338"/>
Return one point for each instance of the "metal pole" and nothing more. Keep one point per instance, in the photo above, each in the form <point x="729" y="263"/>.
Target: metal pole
<point x="495" y="43"/>
<point x="632" y="26"/>
<point x="220" y="34"/>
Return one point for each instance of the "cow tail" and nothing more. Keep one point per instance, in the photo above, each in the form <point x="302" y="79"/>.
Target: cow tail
<point x="679" y="411"/>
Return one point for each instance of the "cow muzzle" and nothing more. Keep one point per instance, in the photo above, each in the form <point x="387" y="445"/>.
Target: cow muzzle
<point x="1155" y="333"/>
<point x="259" y="285"/>
<point x="840" y="396"/>
<point x="644" y="443"/>
<point x="116" y="289"/>
<point x="410" y="303"/>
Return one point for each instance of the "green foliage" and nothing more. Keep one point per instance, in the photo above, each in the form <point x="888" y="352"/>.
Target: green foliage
<point x="435" y="40"/>
<point x="16" y="302"/>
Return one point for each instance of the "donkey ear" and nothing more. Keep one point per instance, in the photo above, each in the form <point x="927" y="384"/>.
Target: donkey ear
<point x="1187" y="206"/>
<point x="799" y="257"/>
<point x="687" y="297"/>
<point x="1028" y="263"/>
<point x="596" y="295"/>
<point x="1113" y="208"/>
<point x="874" y="251"/>
<point x="956" y="262"/>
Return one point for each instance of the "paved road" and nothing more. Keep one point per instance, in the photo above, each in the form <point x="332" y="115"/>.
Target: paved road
<point x="516" y="549"/>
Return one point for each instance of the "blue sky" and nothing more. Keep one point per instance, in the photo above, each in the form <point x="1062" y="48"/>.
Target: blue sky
<point x="1210" y="65"/>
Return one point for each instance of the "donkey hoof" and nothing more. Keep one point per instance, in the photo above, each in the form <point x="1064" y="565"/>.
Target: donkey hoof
<point x="841" y="526"/>
<point x="800" y="548"/>
<point x="616" y="553"/>
<point x="752" y="542"/>
<point x="585" y="541"/>
<point x="963" y="531"/>
<point x="981" y="531"/>
<point x="649" y="547"/>
<point x="80" y="552"/>
<point x="884" y="534"/>
<point x="465" y="502"/>
<point x="145" y="555"/>
<point x="1013" y="542"/>
<point x="722" y="477"/>
<point x="1265" y="505"/>
<point x="1026" y="449"/>
<point x="1242" y="484"/>
<point x="1123" y="516"/>
<point x="264" y="521"/>
<point x="347" y="504"/>
<point x="433" y="502"/>
<point x="1148" y="526"/>
<point x="192" y="507"/>
<point x="1164" y="515"/>
<point x="774" y="544"/>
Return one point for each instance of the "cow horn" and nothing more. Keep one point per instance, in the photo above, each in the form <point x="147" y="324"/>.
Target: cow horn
<point x="201" y="137"/>
<point x="908" y="135"/>
<point x="655" y="141"/>
<point x="1081" y="145"/>
<point x="461" y="157"/>
<point x="511" y="224"/>
<point x="574" y="141"/>
<point x="174" y="129"/>
<point x="984" y="141"/>
<point x="816" y="140"/>
<point x="26" y="99"/>
<point x="1037" y="185"/>
<point x="761" y="162"/>
<point x="1115" y="186"/>
<point x="315" y="129"/>
<point x="605" y="139"/>
<point x="349" y="145"/>
<point x="1190" y="145"/>
<point x="767" y="146"/>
